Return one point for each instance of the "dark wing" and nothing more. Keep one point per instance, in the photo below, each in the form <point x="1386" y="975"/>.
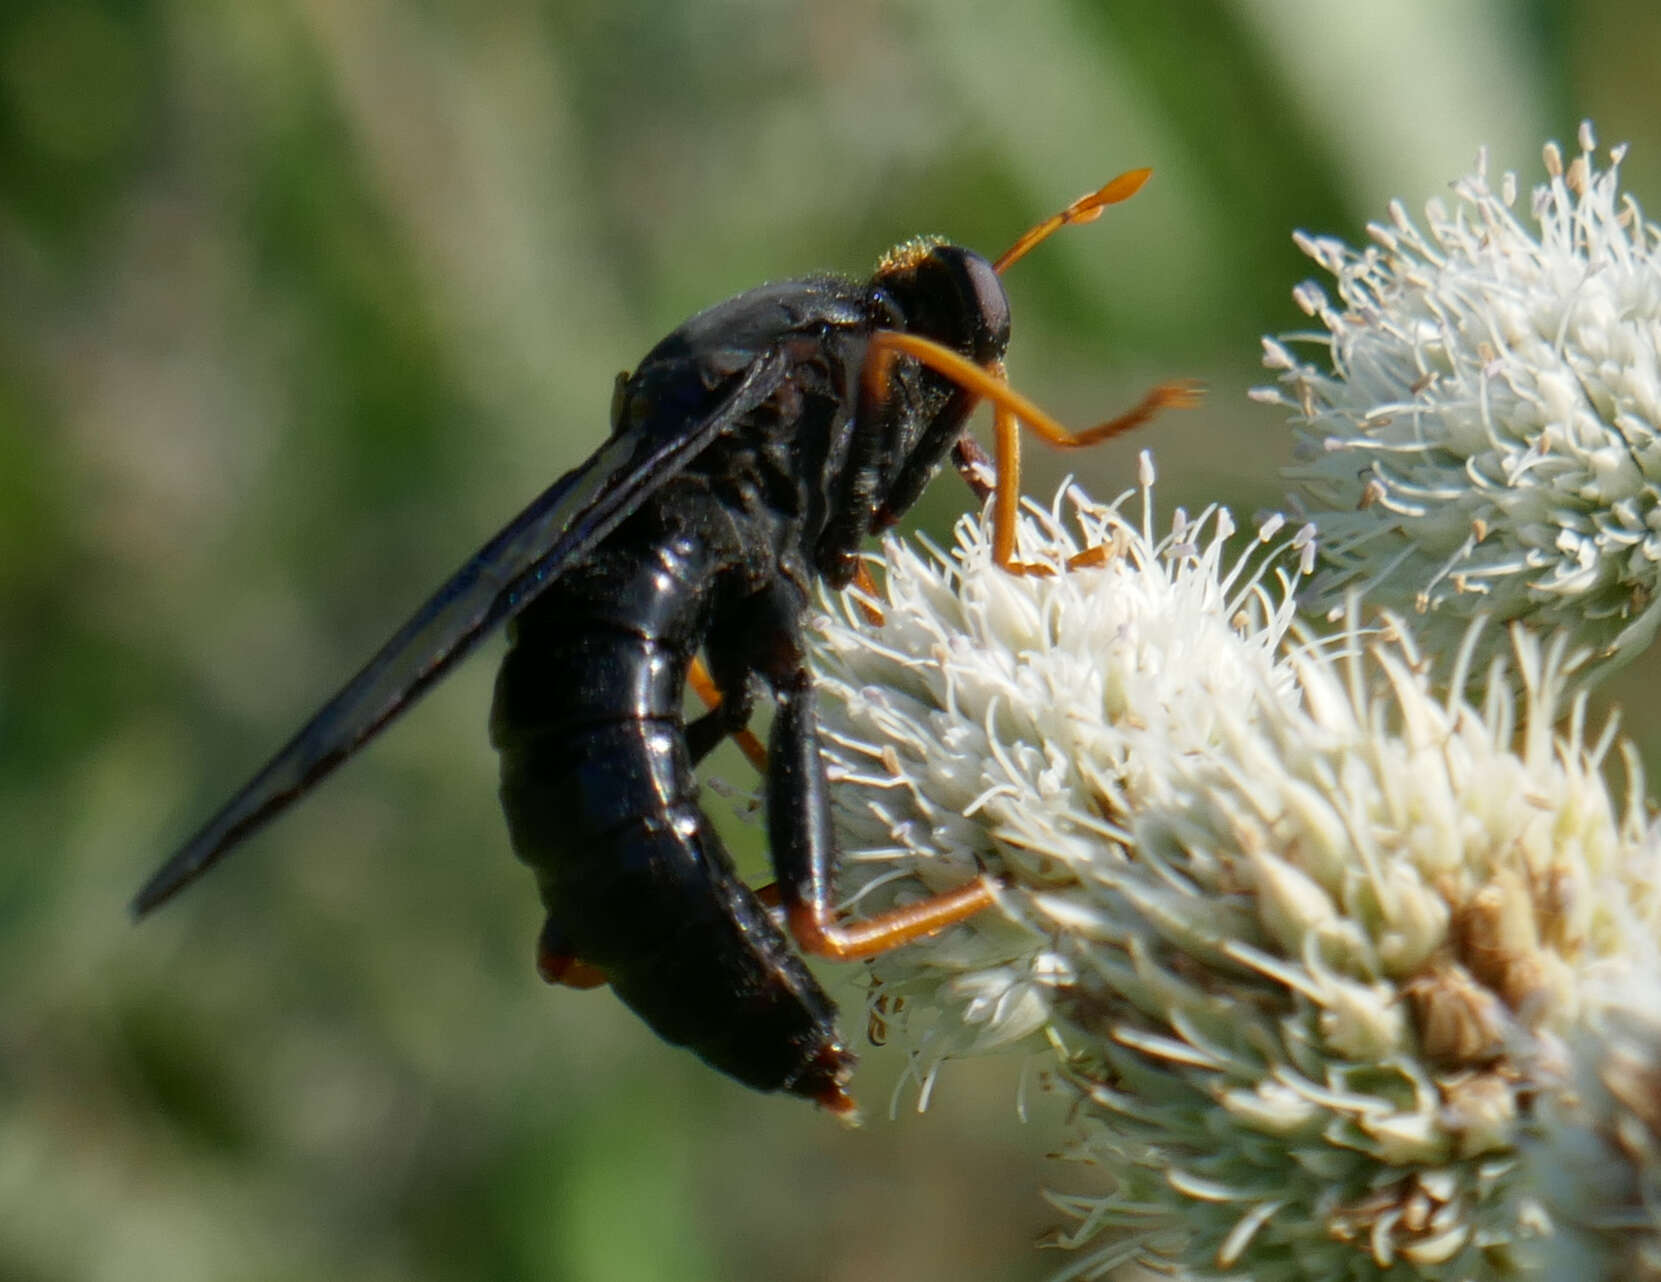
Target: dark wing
<point x="563" y="524"/>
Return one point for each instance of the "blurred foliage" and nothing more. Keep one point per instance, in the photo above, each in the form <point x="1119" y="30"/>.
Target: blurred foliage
<point x="300" y="300"/>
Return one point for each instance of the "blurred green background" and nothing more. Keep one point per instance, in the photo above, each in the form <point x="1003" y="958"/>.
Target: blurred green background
<point x="301" y="299"/>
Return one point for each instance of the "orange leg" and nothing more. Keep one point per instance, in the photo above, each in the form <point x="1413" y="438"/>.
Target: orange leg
<point x="868" y="595"/>
<point x="1010" y="409"/>
<point x="818" y="933"/>
<point x="814" y="932"/>
<point x="557" y="964"/>
<point x="569" y="972"/>
<point x="703" y="685"/>
<point x="814" y="926"/>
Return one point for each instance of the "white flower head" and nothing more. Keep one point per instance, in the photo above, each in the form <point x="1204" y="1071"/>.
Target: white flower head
<point x="1337" y="968"/>
<point x="1480" y="433"/>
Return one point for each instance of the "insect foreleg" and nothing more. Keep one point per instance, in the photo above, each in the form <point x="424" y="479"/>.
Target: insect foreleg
<point x="1011" y="408"/>
<point x="941" y="433"/>
<point x="874" y="424"/>
<point x="974" y="465"/>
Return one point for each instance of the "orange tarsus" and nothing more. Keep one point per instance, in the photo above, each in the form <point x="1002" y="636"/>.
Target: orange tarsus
<point x="819" y="934"/>
<point x="1091" y="558"/>
<point x="1010" y="409"/>
<point x="868" y="595"/>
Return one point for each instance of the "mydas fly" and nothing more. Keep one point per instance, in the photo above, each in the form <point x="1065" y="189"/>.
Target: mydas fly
<point x="751" y="453"/>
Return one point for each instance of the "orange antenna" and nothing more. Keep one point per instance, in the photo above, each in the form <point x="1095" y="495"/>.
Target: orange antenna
<point x="1085" y="209"/>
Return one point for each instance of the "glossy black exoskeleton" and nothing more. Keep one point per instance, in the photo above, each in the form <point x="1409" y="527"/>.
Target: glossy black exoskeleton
<point x="751" y="452"/>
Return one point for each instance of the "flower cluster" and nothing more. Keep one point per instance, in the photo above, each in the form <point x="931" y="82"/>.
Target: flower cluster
<point x="1351" y="980"/>
<point x="1480" y="432"/>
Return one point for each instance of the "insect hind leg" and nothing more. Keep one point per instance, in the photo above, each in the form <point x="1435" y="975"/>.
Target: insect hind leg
<point x="557" y="964"/>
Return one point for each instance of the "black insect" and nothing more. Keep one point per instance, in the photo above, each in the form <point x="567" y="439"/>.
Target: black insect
<point x="750" y="454"/>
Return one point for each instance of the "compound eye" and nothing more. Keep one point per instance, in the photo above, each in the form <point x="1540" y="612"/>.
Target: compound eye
<point x="985" y="300"/>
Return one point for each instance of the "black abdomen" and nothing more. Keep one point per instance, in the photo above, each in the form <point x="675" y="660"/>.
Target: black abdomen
<point x="601" y="802"/>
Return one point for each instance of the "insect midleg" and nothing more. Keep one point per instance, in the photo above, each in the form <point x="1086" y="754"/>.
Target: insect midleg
<point x="1009" y="409"/>
<point x="557" y="964"/>
<point x="703" y="685"/>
